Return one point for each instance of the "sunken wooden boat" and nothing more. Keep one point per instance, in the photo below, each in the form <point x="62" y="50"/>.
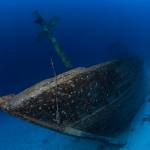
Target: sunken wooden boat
<point x="86" y="102"/>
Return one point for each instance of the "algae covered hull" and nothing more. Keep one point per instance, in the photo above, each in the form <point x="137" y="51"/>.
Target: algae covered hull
<point x="99" y="100"/>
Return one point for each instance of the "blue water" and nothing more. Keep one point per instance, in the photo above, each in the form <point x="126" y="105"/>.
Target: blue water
<point x="90" y="32"/>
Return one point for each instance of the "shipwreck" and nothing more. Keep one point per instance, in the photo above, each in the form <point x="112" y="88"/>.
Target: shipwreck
<point x="92" y="102"/>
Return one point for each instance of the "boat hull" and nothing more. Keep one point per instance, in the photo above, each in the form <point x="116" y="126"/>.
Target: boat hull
<point x="100" y="100"/>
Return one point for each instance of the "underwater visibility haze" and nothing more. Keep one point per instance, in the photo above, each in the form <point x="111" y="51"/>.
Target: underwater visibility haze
<point x="42" y="39"/>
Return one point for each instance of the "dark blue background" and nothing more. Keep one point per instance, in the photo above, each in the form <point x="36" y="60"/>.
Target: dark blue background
<point x="90" y="31"/>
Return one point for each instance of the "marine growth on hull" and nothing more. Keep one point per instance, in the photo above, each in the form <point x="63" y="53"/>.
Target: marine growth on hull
<point x="98" y="100"/>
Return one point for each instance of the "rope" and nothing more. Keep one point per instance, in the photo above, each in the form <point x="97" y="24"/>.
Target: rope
<point x="56" y="91"/>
